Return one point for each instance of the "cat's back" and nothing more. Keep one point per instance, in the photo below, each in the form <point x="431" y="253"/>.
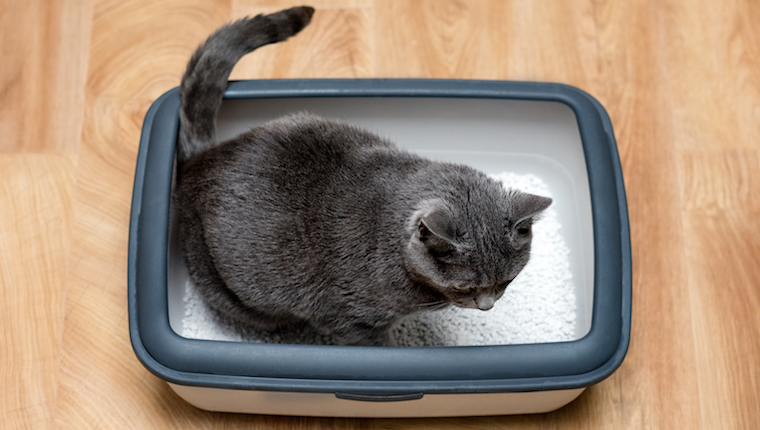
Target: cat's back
<point x="295" y="195"/>
<point x="300" y="155"/>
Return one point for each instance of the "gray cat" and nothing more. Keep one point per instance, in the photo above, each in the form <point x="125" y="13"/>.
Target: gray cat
<point x="309" y="221"/>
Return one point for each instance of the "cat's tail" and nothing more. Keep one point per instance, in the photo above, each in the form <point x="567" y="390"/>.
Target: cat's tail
<point x="205" y="79"/>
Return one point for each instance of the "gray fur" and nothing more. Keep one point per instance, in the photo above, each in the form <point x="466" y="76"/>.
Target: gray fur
<point x="205" y="78"/>
<point x="309" y="221"/>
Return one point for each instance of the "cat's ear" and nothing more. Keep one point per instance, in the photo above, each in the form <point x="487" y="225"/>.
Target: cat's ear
<point x="433" y="230"/>
<point x="436" y="228"/>
<point x="525" y="208"/>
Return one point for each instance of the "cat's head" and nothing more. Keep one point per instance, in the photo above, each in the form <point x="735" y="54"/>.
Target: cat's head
<point x="471" y="248"/>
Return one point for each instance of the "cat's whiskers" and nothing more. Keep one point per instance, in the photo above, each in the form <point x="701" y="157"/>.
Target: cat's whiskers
<point x="438" y="304"/>
<point x="449" y="313"/>
<point x="514" y="300"/>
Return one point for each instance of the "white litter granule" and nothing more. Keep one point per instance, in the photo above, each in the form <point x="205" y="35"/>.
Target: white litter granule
<point x="538" y="307"/>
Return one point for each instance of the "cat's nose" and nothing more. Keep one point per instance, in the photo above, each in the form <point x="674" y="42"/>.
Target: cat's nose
<point x="484" y="302"/>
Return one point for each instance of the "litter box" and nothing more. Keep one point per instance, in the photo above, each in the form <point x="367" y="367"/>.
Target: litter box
<point x="556" y="132"/>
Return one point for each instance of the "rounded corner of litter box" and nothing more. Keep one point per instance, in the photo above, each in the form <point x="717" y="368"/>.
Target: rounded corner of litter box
<point x="593" y="119"/>
<point x="612" y="364"/>
<point x="141" y="346"/>
<point x="606" y="350"/>
<point x="144" y="357"/>
<point x="153" y="348"/>
<point x="157" y="109"/>
<point x="158" y="348"/>
<point x="575" y="96"/>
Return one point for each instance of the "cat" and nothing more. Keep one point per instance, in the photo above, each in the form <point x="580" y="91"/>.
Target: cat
<point x="308" y="221"/>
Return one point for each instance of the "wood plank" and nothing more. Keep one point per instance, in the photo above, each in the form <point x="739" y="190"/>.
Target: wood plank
<point x="337" y="44"/>
<point x="437" y="39"/>
<point x="35" y="231"/>
<point x="715" y="59"/>
<point x="722" y="221"/>
<point x="656" y="385"/>
<point x="549" y="42"/>
<point x="714" y="55"/>
<point x="44" y="47"/>
<point x="269" y="6"/>
<point x="138" y="51"/>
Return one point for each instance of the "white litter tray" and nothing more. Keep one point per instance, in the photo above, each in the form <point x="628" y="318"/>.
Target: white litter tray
<point x="554" y="132"/>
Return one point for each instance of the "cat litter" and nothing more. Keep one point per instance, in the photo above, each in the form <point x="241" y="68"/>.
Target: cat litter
<point x="538" y="307"/>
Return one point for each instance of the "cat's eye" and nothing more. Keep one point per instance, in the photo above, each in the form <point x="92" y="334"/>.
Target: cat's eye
<point x="523" y="229"/>
<point x="461" y="288"/>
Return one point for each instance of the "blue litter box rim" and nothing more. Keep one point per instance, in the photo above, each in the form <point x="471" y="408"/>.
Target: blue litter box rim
<point x="309" y="368"/>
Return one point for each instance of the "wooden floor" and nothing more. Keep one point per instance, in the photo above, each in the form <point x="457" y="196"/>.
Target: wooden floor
<point x="680" y="80"/>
